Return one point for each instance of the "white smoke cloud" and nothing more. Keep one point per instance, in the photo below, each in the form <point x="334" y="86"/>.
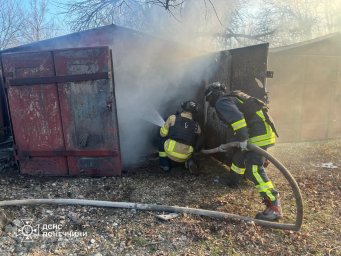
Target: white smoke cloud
<point x="196" y="23"/>
<point x="159" y="73"/>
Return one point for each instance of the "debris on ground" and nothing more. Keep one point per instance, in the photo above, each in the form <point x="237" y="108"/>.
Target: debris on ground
<point x="326" y="165"/>
<point x="168" y="216"/>
<point x="80" y="230"/>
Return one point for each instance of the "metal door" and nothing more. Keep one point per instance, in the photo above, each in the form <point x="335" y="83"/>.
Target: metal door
<point x="63" y="112"/>
<point x="239" y="69"/>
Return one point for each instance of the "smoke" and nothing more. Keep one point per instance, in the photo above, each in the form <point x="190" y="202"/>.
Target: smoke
<point x="196" y="23"/>
<point x="159" y="72"/>
<point x="140" y="93"/>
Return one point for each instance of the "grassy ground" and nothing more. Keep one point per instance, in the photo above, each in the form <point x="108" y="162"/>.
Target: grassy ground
<point x="131" y="232"/>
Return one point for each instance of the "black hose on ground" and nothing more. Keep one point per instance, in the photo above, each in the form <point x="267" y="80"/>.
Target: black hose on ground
<point x="166" y="208"/>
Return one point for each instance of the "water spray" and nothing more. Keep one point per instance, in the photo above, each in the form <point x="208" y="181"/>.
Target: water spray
<point x="151" y="115"/>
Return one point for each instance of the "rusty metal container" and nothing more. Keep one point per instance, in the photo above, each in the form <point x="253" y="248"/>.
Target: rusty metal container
<point x="61" y="108"/>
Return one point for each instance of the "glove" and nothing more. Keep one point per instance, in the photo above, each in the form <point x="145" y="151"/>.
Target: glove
<point x="243" y="145"/>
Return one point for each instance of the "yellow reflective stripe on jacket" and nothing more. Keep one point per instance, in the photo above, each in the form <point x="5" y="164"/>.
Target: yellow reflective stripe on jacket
<point x="263" y="142"/>
<point x="237" y="169"/>
<point x="163" y="131"/>
<point x="266" y="139"/>
<point x="239" y="124"/>
<point x="162" y="154"/>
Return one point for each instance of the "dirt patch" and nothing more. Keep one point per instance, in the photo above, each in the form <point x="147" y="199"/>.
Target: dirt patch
<point x="82" y="230"/>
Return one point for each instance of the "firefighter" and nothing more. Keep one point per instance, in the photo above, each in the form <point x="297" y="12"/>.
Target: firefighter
<point x="248" y="118"/>
<point x="178" y="138"/>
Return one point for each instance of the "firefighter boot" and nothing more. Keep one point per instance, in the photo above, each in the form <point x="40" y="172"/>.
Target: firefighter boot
<point x="164" y="164"/>
<point x="191" y="166"/>
<point x="273" y="211"/>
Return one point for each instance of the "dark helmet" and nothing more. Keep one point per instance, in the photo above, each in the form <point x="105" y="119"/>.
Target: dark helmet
<point x="214" y="87"/>
<point x="190" y="106"/>
<point x="213" y="92"/>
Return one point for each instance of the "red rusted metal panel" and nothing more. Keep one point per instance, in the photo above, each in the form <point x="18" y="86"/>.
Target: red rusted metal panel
<point x="2" y="120"/>
<point x="35" y="112"/>
<point x="64" y="118"/>
<point x="89" y="119"/>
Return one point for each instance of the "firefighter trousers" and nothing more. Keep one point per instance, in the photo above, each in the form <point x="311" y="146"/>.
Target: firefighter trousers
<point x="165" y="162"/>
<point x="250" y="165"/>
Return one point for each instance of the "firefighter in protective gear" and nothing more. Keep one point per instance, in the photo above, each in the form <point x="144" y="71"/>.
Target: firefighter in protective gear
<point x="248" y="118"/>
<point x="178" y="137"/>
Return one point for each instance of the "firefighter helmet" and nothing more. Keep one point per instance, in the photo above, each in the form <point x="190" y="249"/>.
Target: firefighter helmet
<point x="213" y="92"/>
<point x="213" y="88"/>
<point x="190" y="106"/>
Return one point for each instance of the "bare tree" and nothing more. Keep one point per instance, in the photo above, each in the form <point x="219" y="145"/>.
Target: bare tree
<point x="38" y="25"/>
<point x="244" y="27"/>
<point x="239" y="30"/>
<point x="253" y="21"/>
<point x="85" y="14"/>
<point x="141" y="15"/>
<point x="331" y="10"/>
<point x="292" y="20"/>
<point x="11" y="23"/>
<point x="281" y="22"/>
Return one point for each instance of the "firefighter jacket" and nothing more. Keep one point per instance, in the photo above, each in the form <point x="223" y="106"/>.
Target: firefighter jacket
<point x="251" y="127"/>
<point x="181" y="131"/>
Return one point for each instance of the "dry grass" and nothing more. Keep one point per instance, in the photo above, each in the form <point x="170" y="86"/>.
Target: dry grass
<point x="130" y="232"/>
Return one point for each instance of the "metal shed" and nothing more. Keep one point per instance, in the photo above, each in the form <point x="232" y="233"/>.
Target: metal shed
<point x="77" y="104"/>
<point x="61" y="98"/>
<point x="306" y="89"/>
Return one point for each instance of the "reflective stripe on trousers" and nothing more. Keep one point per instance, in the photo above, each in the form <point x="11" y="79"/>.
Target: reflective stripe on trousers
<point x="263" y="186"/>
<point x="239" y="170"/>
<point x="251" y="164"/>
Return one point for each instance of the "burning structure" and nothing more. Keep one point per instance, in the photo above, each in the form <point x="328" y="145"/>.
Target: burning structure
<point x="78" y="104"/>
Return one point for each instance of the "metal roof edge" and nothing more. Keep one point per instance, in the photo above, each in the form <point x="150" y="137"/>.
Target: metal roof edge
<point x="73" y="34"/>
<point x="299" y="44"/>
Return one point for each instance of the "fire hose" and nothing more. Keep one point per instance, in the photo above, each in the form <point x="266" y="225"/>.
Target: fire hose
<point x="166" y="208"/>
<point x="292" y="182"/>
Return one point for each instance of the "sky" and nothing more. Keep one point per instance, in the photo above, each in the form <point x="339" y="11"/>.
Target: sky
<point x="55" y="12"/>
<point x="194" y="22"/>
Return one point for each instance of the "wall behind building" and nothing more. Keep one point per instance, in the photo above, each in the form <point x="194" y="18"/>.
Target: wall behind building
<point x="305" y="93"/>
